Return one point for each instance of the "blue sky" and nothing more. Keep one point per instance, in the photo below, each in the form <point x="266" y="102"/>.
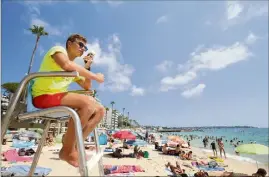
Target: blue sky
<point x="172" y="63"/>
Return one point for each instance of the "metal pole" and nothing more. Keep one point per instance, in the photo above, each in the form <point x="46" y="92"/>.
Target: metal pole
<point x="98" y="151"/>
<point x="39" y="149"/>
<point x="80" y="143"/>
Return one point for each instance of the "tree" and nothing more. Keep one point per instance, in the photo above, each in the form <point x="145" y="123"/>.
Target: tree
<point x="11" y="87"/>
<point x="107" y="109"/>
<point x="38" y="31"/>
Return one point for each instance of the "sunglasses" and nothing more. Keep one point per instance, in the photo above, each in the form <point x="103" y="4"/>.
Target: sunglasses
<point x="81" y="45"/>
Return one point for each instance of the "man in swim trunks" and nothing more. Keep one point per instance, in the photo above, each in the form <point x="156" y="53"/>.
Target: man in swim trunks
<point x="213" y="146"/>
<point x="52" y="91"/>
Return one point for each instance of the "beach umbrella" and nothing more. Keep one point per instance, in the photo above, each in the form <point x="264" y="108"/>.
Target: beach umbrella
<point x="124" y="135"/>
<point x="253" y="149"/>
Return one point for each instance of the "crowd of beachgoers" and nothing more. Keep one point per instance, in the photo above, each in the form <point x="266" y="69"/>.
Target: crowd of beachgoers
<point x="129" y="152"/>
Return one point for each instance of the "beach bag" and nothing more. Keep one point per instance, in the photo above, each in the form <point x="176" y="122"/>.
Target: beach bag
<point x="212" y="164"/>
<point x="146" y="154"/>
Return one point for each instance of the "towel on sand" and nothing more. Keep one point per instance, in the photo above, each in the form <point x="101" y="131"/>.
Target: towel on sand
<point x="123" y="168"/>
<point x="23" y="170"/>
<point x="211" y="169"/>
<point x="13" y="156"/>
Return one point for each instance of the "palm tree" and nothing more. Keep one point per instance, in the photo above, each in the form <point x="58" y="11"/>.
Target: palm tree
<point x="107" y="109"/>
<point x="112" y="103"/>
<point x="10" y="87"/>
<point x="38" y="31"/>
<point x="128" y="114"/>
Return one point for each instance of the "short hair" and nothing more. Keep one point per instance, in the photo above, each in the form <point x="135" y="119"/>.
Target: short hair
<point x="73" y="37"/>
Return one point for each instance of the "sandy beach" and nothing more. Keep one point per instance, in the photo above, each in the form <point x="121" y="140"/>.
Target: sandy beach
<point x="153" y="166"/>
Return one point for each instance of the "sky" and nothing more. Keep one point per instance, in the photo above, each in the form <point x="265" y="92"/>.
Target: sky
<point x="168" y="63"/>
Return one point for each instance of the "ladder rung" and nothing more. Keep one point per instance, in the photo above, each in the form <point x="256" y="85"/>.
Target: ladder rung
<point x="94" y="160"/>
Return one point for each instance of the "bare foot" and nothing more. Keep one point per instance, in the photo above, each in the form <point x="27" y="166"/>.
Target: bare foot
<point x="71" y="158"/>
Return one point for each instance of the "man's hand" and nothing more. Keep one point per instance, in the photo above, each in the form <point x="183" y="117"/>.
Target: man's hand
<point x="100" y="77"/>
<point x="88" y="60"/>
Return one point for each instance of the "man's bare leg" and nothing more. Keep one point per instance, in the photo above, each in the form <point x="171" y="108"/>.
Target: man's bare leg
<point x="85" y="108"/>
<point x="92" y="123"/>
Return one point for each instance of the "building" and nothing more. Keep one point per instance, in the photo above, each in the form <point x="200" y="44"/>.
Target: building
<point x="109" y="120"/>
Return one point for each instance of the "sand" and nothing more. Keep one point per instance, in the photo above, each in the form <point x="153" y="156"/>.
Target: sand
<point x="153" y="166"/>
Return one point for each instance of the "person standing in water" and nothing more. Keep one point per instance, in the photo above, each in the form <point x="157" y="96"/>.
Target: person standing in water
<point x="221" y="148"/>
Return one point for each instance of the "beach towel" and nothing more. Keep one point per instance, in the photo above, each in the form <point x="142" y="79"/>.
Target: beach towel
<point x="121" y="174"/>
<point x="169" y="172"/>
<point x="22" y="144"/>
<point x="108" y="150"/>
<point x="13" y="156"/>
<point x="23" y="170"/>
<point x="211" y="169"/>
<point x="123" y="168"/>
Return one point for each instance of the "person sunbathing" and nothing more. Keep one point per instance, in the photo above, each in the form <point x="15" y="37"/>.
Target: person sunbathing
<point x="136" y="150"/>
<point x="201" y="174"/>
<point x="50" y="140"/>
<point x="178" y="150"/>
<point x="188" y="156"/>
<point x="182" y="156"/>
<point x="165" y="149"/>
<point x="125" y="145"/>
<point x="175" y="169"/>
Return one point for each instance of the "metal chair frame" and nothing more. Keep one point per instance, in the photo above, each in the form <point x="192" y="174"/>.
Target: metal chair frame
<point x="17" y="117"/>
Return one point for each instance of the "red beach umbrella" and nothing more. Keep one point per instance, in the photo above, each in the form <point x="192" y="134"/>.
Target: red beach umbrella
<point x="124" y="135"/>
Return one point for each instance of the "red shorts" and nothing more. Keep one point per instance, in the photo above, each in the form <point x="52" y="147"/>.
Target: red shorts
<point x="48" y="100"/>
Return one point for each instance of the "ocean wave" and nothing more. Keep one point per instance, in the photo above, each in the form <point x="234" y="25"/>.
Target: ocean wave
<point x="236" y="157"/>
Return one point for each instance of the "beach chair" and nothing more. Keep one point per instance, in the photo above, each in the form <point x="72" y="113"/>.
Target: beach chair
<point x="21" y="113"/>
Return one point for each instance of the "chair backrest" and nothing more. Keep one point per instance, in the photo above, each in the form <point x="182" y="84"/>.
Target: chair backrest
<point x="30" y="106"/>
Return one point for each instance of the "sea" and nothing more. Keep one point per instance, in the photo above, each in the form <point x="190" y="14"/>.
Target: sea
<point x="248" y="135"/>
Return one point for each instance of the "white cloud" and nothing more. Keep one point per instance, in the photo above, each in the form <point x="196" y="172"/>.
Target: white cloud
<point x="49" y="28"/>
<point x="217" y="58"/>
<point x="41" y="50"/>
<point x="171" y="83"/>
<point x="234" y="8"/>
<point x="239" y="12"/>
<point x="112" y="3"/>
<point x="195" y="91"/>
<point x="251" y="39"/>
<point x="207" y="59"/>
<point x="117" y="74"/>
<point x="60" y="44"/>
<point x="162" y="19"/>
<point x="137" y="91"/>
<point x="32" y="17"/>
<point x="164" y="66"/>
<point x="208" y="22"/>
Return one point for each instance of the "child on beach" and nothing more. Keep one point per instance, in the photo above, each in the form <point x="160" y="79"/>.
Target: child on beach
<point x="52" y="91"/>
